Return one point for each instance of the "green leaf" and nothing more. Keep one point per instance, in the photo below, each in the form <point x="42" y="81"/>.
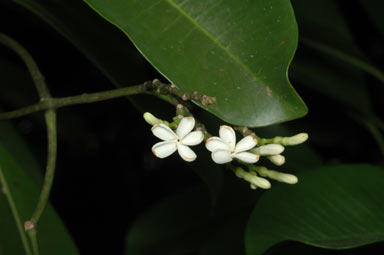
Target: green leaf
<point x="107" y="48"/>
<point x="335" y="207"/>
<point x="237" y="52"/>
<point x="22" y="192"/>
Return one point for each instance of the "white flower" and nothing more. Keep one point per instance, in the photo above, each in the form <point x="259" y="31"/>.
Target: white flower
<point x="224" y="148"/>
<point x="177" y="141"/>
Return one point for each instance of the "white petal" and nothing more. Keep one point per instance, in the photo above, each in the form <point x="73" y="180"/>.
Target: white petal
<point x="193" y="138"/>
<point x="247" y="157"/>
<point x="164" y="149"/>
<point x="185" y="126"/>
<point x="221" y="157"/>
<point x="215" y="143"/>
<point x="163" y="132"/>
<point x="228" y="135"/>
<point x="245" y="144"/>
<point x="186" y="153"/>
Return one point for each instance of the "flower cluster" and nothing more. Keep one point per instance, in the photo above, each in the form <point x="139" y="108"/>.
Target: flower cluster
<point x="224" y="148"/>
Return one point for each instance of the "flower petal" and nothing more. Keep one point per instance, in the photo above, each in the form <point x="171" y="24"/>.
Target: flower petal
<point x="186" y="153"/>
<point x="185" y="126"/>
<point x="164" y="149"/>
<point x="228" y="135"/>
<point x="247" y="157"/>
<point x="193" y="138"/>
<point x="216" y="143"/>
<point x="221" y="156"/>
<point x="245" y="144"/>
<point x="163" y="132"/>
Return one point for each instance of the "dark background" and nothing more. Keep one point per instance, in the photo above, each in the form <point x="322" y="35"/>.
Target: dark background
<point x="106" y="174"/>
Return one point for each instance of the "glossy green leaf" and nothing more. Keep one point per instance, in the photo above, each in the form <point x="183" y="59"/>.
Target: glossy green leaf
<point x="24" y="192"/>
<point x="336" y="207"/>
<point x="108" y="49"/>
<point x="238" y="52"/>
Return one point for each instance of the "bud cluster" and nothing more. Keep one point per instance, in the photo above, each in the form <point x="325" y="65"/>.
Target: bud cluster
<point x="179" y="135"/>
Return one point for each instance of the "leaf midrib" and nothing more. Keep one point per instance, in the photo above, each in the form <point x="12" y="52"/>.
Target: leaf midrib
<point x="210" y="36"/>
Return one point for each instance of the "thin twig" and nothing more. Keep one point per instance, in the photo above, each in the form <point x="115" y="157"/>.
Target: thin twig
<point x="34" y="241"/>
<point x="37" y="77"/>
<point x="162" y="88"/>
<point x="50" y="117"/>
<point x="54" y="103"/>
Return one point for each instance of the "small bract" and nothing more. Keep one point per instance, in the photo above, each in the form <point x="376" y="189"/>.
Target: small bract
<point x="177" y="141"/>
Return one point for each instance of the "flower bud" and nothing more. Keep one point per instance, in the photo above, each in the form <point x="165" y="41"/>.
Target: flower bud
<point x="269" y="149"/>
<point x="253" y="186"/>
<point x="255" y="180"/>
<point x="278" y="176"/>
<point x="288" y="178"/>
<point x="152" y="120"/>
<point x="278" y="160"/>
<point x="296" y="139"/>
